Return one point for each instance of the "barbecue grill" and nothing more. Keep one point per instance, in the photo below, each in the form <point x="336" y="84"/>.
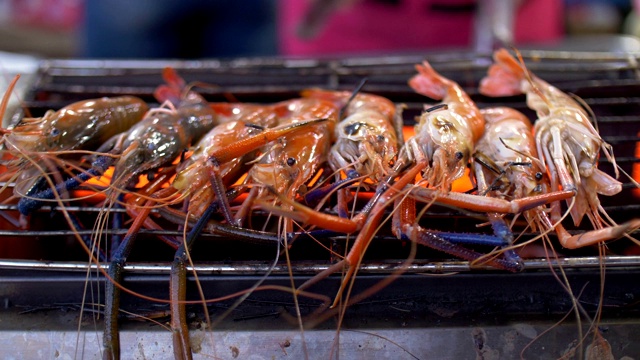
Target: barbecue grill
<point x="424" y="313"/>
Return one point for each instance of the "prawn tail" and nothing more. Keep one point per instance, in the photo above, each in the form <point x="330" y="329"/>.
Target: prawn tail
<point x="164" y="93"/>
<point x="7" y="95"/>
<point x="429" y="83"/>
<point x="505" y="77"/>
<point x="173" y="90"/>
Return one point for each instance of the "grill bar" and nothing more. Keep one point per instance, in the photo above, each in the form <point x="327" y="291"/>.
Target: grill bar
<point x="417" y="267"/>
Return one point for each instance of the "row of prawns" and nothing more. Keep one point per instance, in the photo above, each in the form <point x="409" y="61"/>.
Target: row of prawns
<point x="518" y="168"/>
<point x="245" y="157"/>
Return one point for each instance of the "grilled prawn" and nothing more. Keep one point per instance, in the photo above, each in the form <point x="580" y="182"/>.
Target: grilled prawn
<point x="567" y="143"/>
<point x="445" y="138"/>
<point x="83" y="125"/>
<point x="289" y="164"/>
<point x="366" y="140"/>
<point x="440" y="150"/>
<point x="506" y="167"/>
<point x="219" y="155"/>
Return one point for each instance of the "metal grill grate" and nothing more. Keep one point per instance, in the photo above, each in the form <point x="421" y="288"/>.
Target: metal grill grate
<point x="608" y="83"/>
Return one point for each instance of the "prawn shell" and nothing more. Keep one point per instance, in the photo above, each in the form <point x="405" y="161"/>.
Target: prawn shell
<point x="509" y="139"/>
<point x="194" y="176"/>
<point x="360" y="102"/>
<point x="291" y="162"/>
<point x="511" y="127"/>
<point x="366" y="138"/>
<point x="445" y="136"/>
<point x="82" y="125"/>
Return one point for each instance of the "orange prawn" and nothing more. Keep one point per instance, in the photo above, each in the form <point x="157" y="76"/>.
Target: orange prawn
<point x="289" y="164"/>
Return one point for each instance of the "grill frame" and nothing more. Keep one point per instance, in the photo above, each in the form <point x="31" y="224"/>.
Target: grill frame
<point x="588" y="74"/>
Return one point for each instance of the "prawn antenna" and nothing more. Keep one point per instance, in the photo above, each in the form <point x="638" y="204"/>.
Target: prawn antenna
<point x="436" y="108"/>
<point x="587" y="108"/>
<point x="528" y="76"/>
<point x="487" y="163"/>
<point x="353" y="95"/>
<point x="533" y="159"/>
<point x="398" y="124"/>
<point x="7" y="95"/>
<point x="254" y="126"/>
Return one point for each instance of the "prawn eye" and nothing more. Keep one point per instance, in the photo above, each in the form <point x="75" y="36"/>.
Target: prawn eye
<point x="353" y="129"/>
<point x="538" y="176"/>
<point x="381" y="138"/>
<point x="291" y="161"/>
<point x="54" y="132"/>
<point x="459" y="155"/>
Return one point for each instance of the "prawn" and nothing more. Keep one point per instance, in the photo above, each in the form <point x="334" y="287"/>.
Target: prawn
<point x="285" y="167"/>
<point x="79" y="126"/>
<point x="288" y="165"/>
<point x="366" y="140"/>
<point x="444" y="138"/>
<point x="157" y="140"/>
<point x="440" y="150"/>
<point x="568" y="146"/>
<point x="82" y="125"/>
<point x="506" y="166"/>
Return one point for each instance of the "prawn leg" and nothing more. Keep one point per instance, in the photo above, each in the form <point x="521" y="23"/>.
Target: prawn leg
<point x="366" y="234"/>
<point x="29" y="204"/>
<point x="596" y="236"/>
<point x="111" y="338"/>
<point x="409" y="228"/>
<point x="335" y="225"/>
<point x="406" y="227"/>
<point x="487" y="204"/>
<point x="502" y="230"/>
<point x="314" y="196"/>
<point x="178" y="288"/>
<point x="253" y="142"/>
<point x="178" y="282"/>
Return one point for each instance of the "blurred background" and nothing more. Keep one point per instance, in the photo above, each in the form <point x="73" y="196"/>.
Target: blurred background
<point x="227" y="28"/>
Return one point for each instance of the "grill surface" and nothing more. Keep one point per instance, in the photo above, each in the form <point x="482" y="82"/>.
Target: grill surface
<point x="609" y="83"/>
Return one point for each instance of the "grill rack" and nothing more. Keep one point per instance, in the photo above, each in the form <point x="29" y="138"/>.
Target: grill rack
<point x="604" y="80"/>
